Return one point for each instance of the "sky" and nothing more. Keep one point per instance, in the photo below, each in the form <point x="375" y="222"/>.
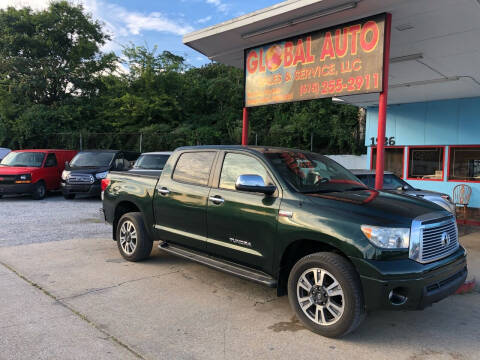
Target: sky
<point x="156" y="22"/>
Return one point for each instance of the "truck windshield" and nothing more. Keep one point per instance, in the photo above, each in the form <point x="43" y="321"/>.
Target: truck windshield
<point x="23" y="159"/>
<point x="92" y="159"/>
<point x="151" y="162"/>
<point x="313" y="173"/>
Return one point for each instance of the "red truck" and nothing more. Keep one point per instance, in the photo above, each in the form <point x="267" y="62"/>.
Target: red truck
<point x="33" y="171"/>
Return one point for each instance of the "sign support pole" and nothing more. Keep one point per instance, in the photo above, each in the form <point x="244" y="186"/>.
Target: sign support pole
<point x="382" y="107"/>
<point x="245" y="127"/>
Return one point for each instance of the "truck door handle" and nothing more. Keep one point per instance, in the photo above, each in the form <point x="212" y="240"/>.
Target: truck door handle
<point x="164" y="191"/>
<point x="216" y="199"/>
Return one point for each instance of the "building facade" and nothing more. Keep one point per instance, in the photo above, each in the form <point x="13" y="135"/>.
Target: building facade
<point x="432" y="145"/>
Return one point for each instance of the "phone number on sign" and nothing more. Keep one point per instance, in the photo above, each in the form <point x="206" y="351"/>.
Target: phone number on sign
<point x="357" y="83"/>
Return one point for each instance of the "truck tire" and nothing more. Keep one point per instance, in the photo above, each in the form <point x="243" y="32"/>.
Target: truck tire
<point x="69" y="196"/>
<point x="325" y="292"/>
<point x="39" y="191"/>
<point x="133" y="241"/>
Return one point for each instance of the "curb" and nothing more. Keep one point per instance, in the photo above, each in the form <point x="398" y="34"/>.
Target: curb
<point x="466" y="287"/>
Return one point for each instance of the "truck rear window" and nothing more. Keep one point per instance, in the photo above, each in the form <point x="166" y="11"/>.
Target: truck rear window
<point x="194" y="167"/>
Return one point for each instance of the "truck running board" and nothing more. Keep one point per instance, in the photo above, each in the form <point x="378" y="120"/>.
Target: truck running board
<point x="219" y="264"/>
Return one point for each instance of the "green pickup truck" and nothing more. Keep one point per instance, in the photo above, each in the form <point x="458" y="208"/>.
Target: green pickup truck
<point x="293" y="220"/>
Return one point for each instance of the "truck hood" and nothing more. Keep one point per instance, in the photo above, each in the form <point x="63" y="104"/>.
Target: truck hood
<point x="16" y="170"/>
<point x="379" y="206"/>
<point x="88" y="170"/>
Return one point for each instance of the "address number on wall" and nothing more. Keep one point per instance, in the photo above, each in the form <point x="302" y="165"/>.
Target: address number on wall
<point x="389" y="141"/>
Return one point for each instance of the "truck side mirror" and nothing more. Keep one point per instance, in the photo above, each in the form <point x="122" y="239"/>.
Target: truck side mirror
<point x="254" y="183"/>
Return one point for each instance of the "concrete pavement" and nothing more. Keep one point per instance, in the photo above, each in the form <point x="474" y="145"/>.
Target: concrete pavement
<point x="170" y="308"/>
<point x="36" y="326"/>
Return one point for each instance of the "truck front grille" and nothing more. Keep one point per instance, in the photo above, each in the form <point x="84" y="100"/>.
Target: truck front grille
<point x="7" y="179"/>
<point x="433" y="237"/>
<point x="79" y="179"/>
<point x="439" y="240"/>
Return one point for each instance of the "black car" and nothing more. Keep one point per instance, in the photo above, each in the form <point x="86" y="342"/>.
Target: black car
<point x="86" y="170"/>
<point x="392" y="183"/>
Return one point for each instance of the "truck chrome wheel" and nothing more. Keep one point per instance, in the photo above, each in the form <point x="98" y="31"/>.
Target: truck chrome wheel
<point x="128" y="237"/>
<point x="320" y="296"/>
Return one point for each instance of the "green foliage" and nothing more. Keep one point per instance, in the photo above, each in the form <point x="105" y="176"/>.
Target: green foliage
<point x="55" y="80"/>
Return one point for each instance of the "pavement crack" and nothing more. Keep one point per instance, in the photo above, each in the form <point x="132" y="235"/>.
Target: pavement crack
<point x="76" y="312"/>
<point x="263" y="302"/>
<point x="91" y="291"/>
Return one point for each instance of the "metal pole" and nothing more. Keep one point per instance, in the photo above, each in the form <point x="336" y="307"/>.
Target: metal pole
<point x="245" y="127"/>
<point x="256" y="139"/>
<point x="81" y="142"/>
<point x="382" y="107"/>
<point x="311" y="142"/>
<point x="141" y="138"/>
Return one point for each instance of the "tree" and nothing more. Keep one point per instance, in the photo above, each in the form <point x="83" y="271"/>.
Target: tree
<point x="48" y="60"/>
<point x="149" y="95"/>
<point x="51" y="55"/>
<point x="54" y="78"/>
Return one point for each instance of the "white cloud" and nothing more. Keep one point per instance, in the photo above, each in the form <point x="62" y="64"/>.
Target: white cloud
<point x="122" y="22"/>
<point x="34" y="4"/>
<point x="135" y="22"/>
<point x="204" y="20"/>
<point x="219" y="4"/>
<point x="118" y="21"/>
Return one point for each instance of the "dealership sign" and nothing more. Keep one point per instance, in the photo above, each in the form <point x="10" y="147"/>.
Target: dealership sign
<point x="344" y="60"/>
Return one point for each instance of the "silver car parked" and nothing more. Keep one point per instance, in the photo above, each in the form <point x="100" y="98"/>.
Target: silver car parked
<point x="151" y="163"/>
<point x="392" y="183"/>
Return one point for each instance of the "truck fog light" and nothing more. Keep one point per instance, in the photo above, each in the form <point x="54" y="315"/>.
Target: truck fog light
<point x="398" y="296"/>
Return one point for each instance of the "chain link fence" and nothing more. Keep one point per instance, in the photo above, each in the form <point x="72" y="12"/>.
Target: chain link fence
<point x="145" y="142"/>
<point x="141" y="142"/>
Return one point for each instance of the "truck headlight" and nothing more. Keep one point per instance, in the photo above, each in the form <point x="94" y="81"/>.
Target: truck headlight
<point x="23" y="179"/>
<point x="65" y="174"/>
<point x="101" y="175"/>
<point x="387" y="238"/>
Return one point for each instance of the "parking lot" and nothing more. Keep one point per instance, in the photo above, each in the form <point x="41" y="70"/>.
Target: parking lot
<point x="67" y="293"/>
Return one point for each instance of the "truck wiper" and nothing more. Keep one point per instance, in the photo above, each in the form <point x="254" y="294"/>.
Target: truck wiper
<point x="320" y="191"/>
<point x="355" y="188"/>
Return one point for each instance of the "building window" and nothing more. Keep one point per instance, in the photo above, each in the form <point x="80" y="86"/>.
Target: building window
<point x="393" y="160"/>
<point x="425" y="163"/>
<point x="464" y="164"/>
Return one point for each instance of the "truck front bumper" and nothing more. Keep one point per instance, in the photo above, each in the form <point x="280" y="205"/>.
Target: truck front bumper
<point x="16" y="189"/>
<point x="83" y="189"/>
<point x="407" y="284"/>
